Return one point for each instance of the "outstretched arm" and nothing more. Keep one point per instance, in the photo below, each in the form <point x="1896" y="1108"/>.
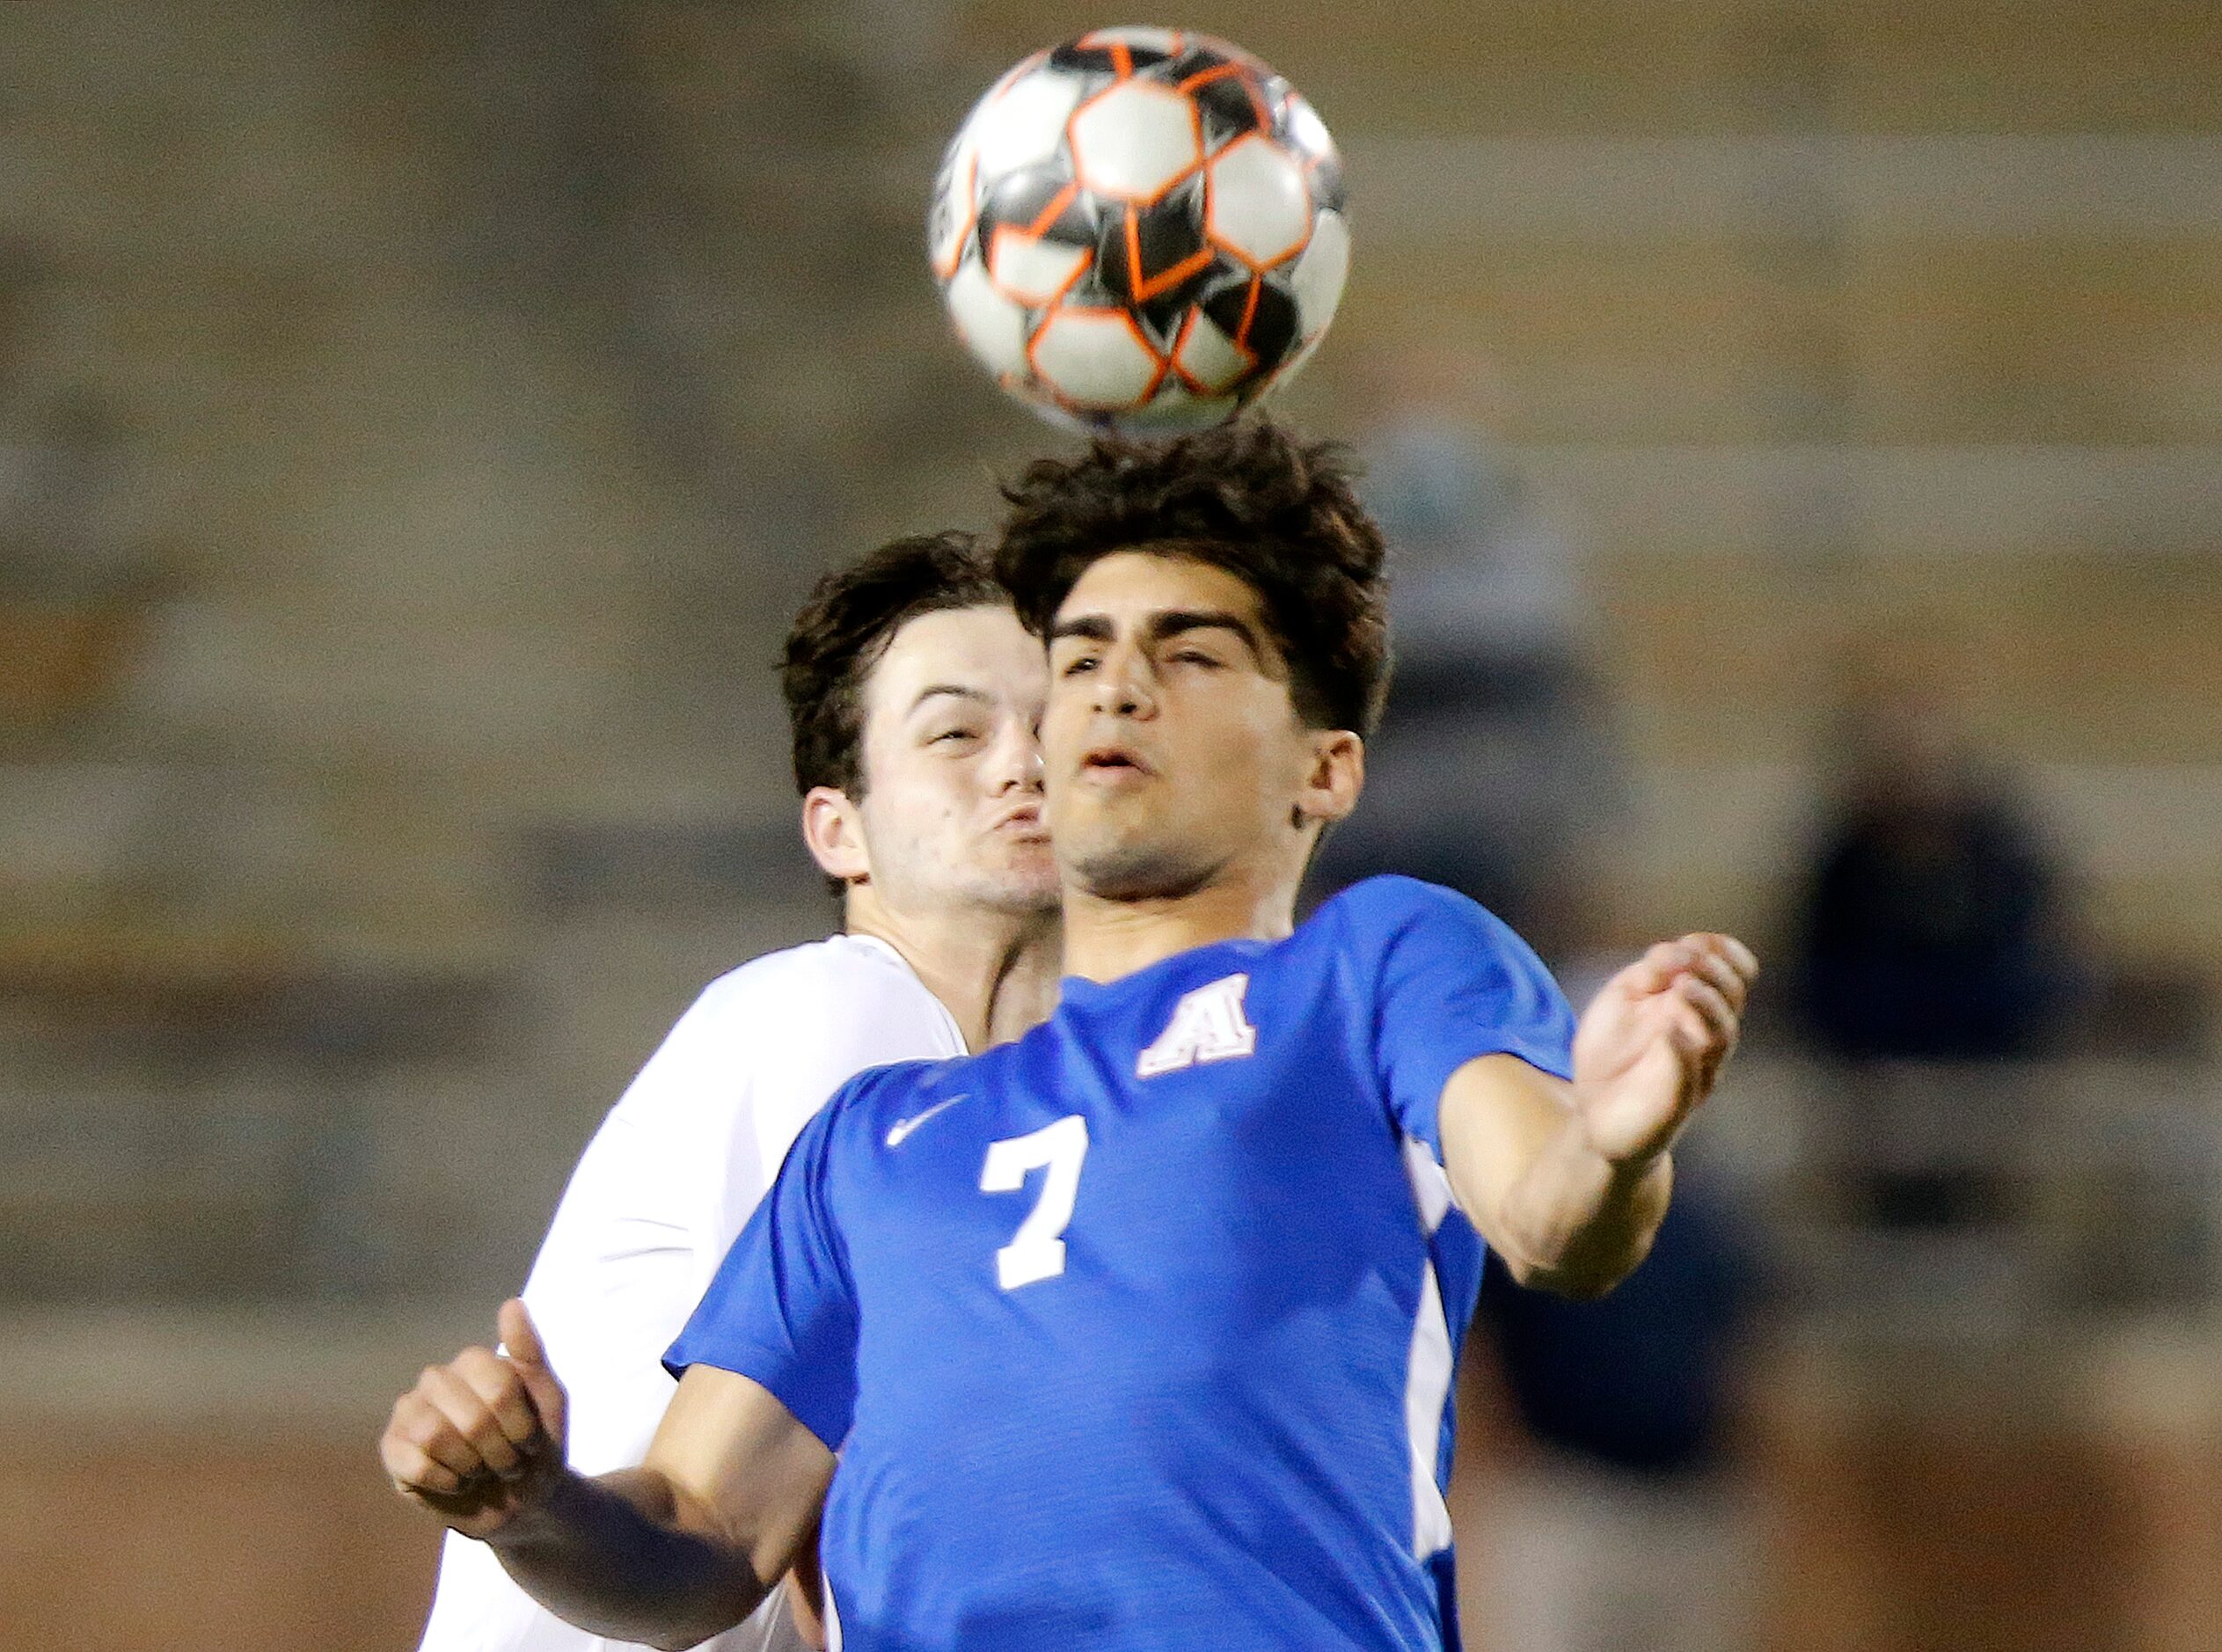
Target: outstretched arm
<point x="668" y="1553"/>
<point x="1568" y="1182"/>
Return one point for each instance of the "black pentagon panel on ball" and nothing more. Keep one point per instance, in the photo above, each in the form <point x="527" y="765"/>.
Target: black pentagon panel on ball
<point x="1105" y="59"/>
<point x="1041" y="201"/>
<point x="1161" y="318"/>
<point x="1258" y="315"/>
<point x="1084" y="60"/>
<point x="1229" y="106"/>
<point x="1144" y="252"/>
<point x="1197" y="57"/>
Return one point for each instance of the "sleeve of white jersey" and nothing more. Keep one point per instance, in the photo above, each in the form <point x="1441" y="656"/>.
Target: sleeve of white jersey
<point x="658" y="1197"/>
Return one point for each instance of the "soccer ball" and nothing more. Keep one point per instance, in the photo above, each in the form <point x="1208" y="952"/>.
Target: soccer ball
<point x="1142" y="229"/>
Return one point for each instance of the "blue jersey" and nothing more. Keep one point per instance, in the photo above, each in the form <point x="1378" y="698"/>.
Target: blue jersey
<point x="1138" y="1333"/>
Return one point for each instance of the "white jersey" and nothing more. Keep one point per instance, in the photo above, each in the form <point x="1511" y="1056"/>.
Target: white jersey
<point x="661" y="1193"/>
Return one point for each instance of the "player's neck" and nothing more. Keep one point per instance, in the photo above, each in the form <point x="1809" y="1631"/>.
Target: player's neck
<point x="1105" y="938"/>
<point x="995" y="972"/>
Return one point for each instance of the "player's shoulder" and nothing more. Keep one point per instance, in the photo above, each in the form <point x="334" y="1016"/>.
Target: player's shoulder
<point x="879" y="1099"/>
<point x="782" y="1029"/>
<point x="828" y="987"/>
<point x="1377" y="909"/>
<point x="1401" y="924"/>
<point x="839" y="968"/>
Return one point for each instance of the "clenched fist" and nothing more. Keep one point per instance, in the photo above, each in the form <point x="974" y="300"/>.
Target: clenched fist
<point x="481" y="1438"/>
<point x="1650" y="1045"/>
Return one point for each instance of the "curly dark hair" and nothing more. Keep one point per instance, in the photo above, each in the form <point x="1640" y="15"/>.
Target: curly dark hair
<point x="1250" y="497"/>
<point x="851" y="615"/>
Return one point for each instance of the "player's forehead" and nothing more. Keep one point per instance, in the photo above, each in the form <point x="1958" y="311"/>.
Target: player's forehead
<point x="1129" y="590"/>
<point x="982" y="651"/>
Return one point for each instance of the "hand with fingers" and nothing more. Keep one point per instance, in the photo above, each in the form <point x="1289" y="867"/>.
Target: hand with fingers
<point x="480" y="1439"/>
<point x="1650" y="1045"/>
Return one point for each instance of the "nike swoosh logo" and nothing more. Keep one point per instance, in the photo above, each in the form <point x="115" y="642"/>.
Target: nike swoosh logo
<point x="897" y="1132"/>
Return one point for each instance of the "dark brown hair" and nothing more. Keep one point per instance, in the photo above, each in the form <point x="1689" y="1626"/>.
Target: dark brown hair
<point x="1250" y="497"/>
<point x="852" y="615"/>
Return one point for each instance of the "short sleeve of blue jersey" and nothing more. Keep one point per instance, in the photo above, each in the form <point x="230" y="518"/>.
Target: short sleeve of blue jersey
<point x="1452" y="982"/>
<point x="782" y="1310"/>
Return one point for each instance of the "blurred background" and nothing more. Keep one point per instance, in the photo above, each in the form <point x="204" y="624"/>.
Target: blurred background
<point x="1800" y="426"/>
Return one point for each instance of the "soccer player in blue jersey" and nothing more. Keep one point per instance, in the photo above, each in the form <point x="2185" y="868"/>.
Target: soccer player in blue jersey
<point x="1138" y="1333"/>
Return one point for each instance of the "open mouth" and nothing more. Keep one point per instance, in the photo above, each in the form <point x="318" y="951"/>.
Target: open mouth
<point x="1113" y="760"/>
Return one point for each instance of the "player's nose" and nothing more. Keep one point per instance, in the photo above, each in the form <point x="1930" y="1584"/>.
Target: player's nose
<point x="1018" y="761"/>
<point x="1120" y="685"/>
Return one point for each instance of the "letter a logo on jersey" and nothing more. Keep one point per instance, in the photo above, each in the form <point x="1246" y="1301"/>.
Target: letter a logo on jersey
<point x="1207" y="1025"/>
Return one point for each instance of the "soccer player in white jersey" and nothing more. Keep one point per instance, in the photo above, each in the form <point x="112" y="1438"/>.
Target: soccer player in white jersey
<point x="1137" y="1334"/>
<point x="912" y="692"/>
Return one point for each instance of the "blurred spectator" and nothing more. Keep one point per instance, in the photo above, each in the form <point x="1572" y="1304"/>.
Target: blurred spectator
<point x="1626" y="1529"/>
<point x="1494" y="760"/>
<point x="1929" y="928"/>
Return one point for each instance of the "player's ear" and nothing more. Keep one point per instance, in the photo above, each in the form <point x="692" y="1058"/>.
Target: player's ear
<point x="1334" y="778"/>
<point x="833" y="828"/>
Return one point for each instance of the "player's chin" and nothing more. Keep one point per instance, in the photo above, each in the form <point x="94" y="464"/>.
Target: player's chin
<point x="1129" y="869"/>
<point x="1034" y="888"/>
<point x="1018" y="874"/>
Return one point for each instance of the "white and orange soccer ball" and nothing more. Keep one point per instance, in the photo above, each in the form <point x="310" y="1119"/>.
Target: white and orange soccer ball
<point x="1142" y="229"/>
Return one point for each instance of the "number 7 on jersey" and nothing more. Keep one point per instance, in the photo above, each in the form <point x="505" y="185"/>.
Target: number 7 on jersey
<point x="1036" y="1251"/>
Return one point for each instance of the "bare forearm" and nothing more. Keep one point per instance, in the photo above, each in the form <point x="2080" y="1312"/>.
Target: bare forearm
<point x="1568" y="1179"/>
<point x="626" y="1556"/>
<point x="1577" y="1224"/>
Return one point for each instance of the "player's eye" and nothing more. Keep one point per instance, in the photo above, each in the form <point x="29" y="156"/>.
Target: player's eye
<point x="1195" y="657"/>
<point x="1078" y="663"/>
